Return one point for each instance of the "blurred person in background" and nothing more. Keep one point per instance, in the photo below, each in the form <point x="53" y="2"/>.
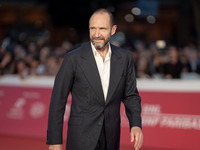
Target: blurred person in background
<point x="59" y="51"/>
<point x="141" y="60"/>
<point x="19" y="52"/>
<point x="33" y="64"/>
<point x="143" y="70"/>
<point x="66" y="46"/>
<point x="20" y="68"/>
<point x="19" y="65"/>
<point x="190" y="61"/>
<point x="135" y="56"/>
<point x="5" y="60"/>
<point x="52" y="66"/>
<point x="32" y="49"/>
<point x="194" y="61"/>
<point x="186" y="67"/>
<point x="157" y="60"/>
<point x="99" y="76"/>
<point x="44" y="54"/>
<point x="173" y="68"/>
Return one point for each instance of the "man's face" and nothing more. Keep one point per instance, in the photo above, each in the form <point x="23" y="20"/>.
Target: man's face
<point x="100" y="30"/>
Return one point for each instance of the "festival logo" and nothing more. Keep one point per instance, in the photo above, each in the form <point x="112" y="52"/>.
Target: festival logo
<point x="37" y="110"/>
<point x="17" y="111"/>
<point x="152" y="116"/>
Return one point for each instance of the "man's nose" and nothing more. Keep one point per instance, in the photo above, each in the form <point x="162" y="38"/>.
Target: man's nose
<point x="97" y="33"/>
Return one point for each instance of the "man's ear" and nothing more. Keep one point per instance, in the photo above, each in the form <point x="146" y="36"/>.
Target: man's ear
<point x="114" y="28"/>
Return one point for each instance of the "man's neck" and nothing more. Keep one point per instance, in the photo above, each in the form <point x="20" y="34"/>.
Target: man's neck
<point x="103" y="52"/>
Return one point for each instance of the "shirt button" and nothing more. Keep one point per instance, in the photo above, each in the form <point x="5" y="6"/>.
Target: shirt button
<point x="99" y="123"/>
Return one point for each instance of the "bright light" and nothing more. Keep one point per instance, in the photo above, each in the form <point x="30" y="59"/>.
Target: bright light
<point x="129" y="18"/>
<point x="161" y="44"/>
<point x="136" y="11"/>
<point x="151" y="19"/>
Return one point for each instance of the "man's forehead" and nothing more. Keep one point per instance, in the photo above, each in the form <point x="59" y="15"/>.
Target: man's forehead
<point x="99" y="15"/>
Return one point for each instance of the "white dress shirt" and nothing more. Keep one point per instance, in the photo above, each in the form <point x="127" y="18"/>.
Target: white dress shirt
<point x="103" y="68"/>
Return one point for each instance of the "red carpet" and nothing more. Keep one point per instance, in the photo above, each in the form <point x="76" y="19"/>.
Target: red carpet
<point x="22" y="143"/>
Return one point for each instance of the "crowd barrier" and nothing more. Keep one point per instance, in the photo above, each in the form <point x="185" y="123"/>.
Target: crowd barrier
<point x="170" y="111"/>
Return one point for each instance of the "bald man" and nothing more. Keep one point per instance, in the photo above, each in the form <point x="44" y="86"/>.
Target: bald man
<point x="99" y="76"/>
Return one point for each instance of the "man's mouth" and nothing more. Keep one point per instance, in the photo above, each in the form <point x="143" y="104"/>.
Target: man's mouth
<point x="98" y="38"/>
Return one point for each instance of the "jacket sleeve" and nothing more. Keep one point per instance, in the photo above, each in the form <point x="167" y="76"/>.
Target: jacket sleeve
<point x="62" y="86"/>
<point x="132" y="100"/>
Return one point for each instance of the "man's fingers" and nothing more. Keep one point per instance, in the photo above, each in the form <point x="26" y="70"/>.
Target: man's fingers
<point x="55" y="147"/>
<point x="136" y="137"/>
<point x="136" y="140"/>
<point x="139" y="141"/>
<point x="132" y="136"/>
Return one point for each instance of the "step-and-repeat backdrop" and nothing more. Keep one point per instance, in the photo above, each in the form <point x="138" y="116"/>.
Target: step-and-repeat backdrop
<point x="170" y="111"/>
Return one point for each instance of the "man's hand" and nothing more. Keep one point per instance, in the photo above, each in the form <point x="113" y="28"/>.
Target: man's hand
<point x="137" y="136"/>
<point x="55" y="147"/>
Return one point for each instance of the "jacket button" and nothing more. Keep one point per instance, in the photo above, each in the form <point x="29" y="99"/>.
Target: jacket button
<point x="99" y="123"/>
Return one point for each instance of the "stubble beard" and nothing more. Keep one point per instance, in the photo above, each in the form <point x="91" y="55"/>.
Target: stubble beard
<point x="100" y="46"/>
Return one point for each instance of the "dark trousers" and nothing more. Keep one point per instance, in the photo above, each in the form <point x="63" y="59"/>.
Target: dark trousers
<point x="101" y="145"/>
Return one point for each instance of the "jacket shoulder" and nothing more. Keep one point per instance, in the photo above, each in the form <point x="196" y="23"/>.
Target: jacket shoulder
<point x="77" y="51"/>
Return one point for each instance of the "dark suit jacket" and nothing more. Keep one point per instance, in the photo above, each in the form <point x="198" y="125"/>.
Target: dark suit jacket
<point x="79" y="75"/>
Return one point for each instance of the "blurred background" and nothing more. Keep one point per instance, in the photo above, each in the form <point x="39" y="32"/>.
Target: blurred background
<point x="163" y="36"/>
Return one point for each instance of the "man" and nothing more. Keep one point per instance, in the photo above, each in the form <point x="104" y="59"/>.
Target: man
<point x="99" y="76"/>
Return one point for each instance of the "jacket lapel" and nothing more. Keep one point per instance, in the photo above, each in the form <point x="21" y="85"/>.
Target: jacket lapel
<point x="88" y="64"/>
<point x="116" y="70"/>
